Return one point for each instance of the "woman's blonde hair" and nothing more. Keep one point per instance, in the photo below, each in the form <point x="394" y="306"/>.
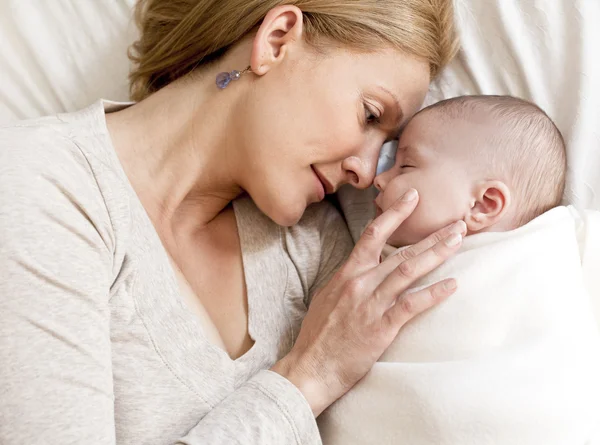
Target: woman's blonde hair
<point x="177" y="36"/>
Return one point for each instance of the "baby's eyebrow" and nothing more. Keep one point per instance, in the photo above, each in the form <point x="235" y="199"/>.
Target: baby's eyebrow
<point x="403" y="149"/>
<point x="408" y="151"/>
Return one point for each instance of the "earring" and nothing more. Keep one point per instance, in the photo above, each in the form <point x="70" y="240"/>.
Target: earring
<point x="223" y="79"/>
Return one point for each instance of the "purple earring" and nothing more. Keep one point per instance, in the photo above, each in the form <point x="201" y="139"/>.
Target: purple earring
<point x="223" y="79"/>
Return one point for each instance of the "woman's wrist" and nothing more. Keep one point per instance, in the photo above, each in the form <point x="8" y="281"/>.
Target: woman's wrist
<point x="309" y="385"/>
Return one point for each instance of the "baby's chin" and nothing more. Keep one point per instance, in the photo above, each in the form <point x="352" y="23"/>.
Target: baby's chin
<point x="403" y="238"/>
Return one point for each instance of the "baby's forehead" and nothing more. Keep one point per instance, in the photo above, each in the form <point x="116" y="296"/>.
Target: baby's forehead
<point x="432" y="133"/>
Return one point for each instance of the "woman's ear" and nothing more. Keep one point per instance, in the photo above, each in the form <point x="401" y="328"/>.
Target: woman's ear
<point x="491" y="201"/>
<point x="282" y="27"/>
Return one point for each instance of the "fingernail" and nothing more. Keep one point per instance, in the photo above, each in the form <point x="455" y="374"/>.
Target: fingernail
<point x="458" y="227"/>
<point x="450" y="285"/>
<point x="453" y="240"/>
<point x="410" y="195"/>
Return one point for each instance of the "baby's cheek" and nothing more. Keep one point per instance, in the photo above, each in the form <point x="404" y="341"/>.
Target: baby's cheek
<point x="411" y="231"/>
<point x="433" y="214"/>
<point x="395" y="190"/>
<point x="425" y="220"/>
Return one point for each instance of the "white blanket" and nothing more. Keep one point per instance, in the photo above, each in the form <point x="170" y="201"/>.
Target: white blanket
<point x="512" y="358"/>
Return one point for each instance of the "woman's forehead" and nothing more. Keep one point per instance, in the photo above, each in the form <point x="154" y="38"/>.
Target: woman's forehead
<point x="393" y="70"/>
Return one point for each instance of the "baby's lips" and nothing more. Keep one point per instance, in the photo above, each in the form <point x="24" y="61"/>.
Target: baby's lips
<point x="377" y="205"/>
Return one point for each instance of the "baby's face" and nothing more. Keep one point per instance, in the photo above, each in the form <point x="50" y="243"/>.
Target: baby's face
<point x="431" y="159"/>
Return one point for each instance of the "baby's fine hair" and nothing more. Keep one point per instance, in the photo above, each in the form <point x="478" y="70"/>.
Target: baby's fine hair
<point x="528" y="149"/>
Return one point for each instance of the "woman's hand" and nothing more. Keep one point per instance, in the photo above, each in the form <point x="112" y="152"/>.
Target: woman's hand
<point x="356" y="316"/>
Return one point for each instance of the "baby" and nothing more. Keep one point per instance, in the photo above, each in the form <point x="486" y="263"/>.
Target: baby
<point x="513" y="356"/>
<point x="495" y="162"/>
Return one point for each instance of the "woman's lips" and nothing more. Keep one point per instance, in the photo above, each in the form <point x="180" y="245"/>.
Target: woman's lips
<point x="329" y="188"/>
<point x="326" y="186"/>
<point x="319" y="186"/>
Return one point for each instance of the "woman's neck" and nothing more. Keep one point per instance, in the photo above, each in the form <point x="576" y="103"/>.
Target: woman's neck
<point x="174" y="149"/>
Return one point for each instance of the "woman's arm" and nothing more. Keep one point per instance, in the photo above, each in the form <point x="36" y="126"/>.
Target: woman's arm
<point x="55" y="273"/>
<point x="266" y="410"/>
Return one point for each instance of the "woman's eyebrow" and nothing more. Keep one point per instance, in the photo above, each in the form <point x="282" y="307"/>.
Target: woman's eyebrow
<point x="397" y="107"/>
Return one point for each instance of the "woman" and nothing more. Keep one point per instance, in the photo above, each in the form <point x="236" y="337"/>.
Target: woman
<point x="137" y="303"/>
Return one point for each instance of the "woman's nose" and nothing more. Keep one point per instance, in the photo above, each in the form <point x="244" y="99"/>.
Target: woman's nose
<point x="359" y="172"/>
<point x="360" y="169"/>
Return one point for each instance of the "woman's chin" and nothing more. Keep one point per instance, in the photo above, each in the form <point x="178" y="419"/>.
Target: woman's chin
<point x="284" y="212"/>
<point x="287" y="218"/>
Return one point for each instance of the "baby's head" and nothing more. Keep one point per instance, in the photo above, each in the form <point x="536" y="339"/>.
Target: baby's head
<point x="495" y="162"/>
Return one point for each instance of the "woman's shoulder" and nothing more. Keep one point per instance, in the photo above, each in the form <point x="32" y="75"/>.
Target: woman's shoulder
<point x="47" y="142"/>
<point x="35" y="156"/>
<point x="321" y="241"/>
<point x="317" y="245"/>
<point x="37" y="147"/>
<point x="48" y="172"/>
<point x="323" y="216"/>
<point x="321" y="224"/>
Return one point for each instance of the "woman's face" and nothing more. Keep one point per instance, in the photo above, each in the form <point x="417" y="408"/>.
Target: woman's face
<point x="316" y="122"/>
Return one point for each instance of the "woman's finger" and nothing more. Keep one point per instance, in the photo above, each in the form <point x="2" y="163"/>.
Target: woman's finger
<point x="391" y="262"/>
<point x="407" y="272"/>
<point x="370" y="245"/>
<point x="374" y="278"/>
<point x="411" y="304"/>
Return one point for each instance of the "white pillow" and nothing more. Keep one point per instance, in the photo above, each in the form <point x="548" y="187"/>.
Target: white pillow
<point x="545" y="51"/>
<point x="62" y="55"/>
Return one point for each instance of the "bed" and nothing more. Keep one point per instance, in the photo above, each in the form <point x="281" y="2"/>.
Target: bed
<point x="62" y="55"/>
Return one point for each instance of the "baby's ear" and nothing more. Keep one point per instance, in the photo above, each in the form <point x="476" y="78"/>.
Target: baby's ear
<point x="491" y="200"/>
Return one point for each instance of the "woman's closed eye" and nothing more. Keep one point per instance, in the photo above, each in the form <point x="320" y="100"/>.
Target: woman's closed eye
<point x="372" y="115"/>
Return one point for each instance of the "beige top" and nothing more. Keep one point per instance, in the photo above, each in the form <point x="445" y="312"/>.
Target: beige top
<point x="97" y="344"/>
